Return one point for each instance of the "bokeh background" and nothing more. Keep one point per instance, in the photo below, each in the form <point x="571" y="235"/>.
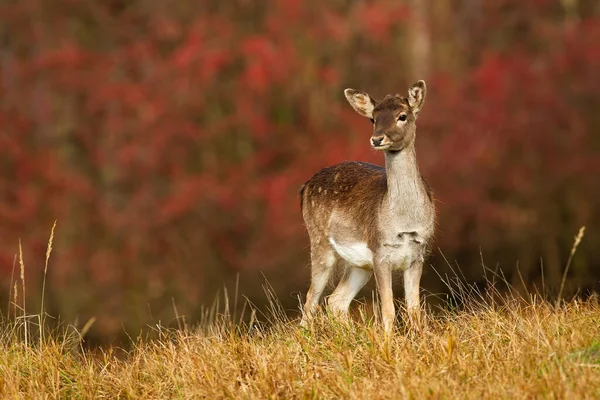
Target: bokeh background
<point x="169" y="139"/>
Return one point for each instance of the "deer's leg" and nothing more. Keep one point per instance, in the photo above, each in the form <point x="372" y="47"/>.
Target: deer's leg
<point x="353" y="280"/>
<point x="383" y="280"/>
<point x="412" y="279"/>
<point x="323" y="260"/>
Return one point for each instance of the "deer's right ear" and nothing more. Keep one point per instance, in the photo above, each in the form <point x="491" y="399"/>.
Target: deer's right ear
<point x="361" y="102"/>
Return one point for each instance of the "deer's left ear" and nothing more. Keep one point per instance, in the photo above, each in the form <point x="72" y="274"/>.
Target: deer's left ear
<point x="416" y="96"/>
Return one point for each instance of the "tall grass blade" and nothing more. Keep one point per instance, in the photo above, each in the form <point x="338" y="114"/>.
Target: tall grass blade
<point x="48" y="252"/>
<point x="22" y="264"/>
<point x="573" y="250"/>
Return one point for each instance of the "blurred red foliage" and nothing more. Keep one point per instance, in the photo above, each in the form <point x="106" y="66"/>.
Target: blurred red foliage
<point x="170" y="139"/>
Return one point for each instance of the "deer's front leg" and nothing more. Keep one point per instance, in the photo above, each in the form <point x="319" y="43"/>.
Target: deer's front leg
<point x="412" y="280"/>
<point x="383" y="280"/>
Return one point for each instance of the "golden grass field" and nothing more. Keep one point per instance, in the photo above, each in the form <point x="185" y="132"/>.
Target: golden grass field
<point x="517" y="350"/>
<point x="492" y="345"/>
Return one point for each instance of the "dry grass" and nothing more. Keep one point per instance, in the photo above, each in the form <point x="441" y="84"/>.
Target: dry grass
<point x="492" y="346"/>
<point x="516" y="350"/>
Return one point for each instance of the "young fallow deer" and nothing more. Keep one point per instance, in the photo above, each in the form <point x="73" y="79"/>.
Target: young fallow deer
<point x="368" y="218"/>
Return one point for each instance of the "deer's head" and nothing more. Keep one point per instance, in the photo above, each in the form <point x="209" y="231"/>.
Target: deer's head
<point x="393" y="118"/>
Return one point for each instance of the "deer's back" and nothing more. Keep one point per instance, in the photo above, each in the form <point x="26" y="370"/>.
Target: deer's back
<point x="354" y="190"/>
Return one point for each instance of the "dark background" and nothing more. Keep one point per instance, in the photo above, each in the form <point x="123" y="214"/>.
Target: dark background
<point x="169" y="139"/>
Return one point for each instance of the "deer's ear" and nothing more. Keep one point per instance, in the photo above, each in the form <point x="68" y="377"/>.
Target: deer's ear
<point x="361" y="102"/>
<point x="416" y="96"/>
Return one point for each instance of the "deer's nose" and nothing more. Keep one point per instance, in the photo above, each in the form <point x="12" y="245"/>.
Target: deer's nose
<point x="377" y="141"/>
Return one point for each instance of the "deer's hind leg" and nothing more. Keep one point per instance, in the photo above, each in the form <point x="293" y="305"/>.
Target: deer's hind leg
<point x="353" y="279"/>
<point x="323" y="260"/>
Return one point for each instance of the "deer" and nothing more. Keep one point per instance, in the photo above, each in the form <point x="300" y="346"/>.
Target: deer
<point x="364" y="220"/>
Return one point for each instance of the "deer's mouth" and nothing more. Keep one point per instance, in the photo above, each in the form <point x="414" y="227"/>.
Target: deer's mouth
<point x="382" y="146"/>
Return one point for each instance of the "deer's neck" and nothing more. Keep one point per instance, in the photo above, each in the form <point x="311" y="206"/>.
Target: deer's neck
<point x="404" y="183"/>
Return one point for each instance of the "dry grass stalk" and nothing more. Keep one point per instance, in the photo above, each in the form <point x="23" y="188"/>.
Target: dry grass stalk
<point x="48" y="252"/>
<point x="22" y="264"/>
<point x="576" y="242"/>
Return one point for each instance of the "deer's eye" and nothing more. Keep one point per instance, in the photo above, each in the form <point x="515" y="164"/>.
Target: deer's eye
<point x="372" y="121"/>
<point x="402" y="117"/>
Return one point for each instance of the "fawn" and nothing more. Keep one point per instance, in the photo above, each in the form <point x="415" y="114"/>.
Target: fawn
<point x="367" y="219"/>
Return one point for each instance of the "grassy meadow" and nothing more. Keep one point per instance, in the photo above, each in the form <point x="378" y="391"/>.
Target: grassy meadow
<point x="514" y="350"/>
<point x="480" y="344"/>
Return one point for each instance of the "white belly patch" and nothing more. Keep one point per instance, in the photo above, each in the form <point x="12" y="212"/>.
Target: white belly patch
<point x="356" y="253"/>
